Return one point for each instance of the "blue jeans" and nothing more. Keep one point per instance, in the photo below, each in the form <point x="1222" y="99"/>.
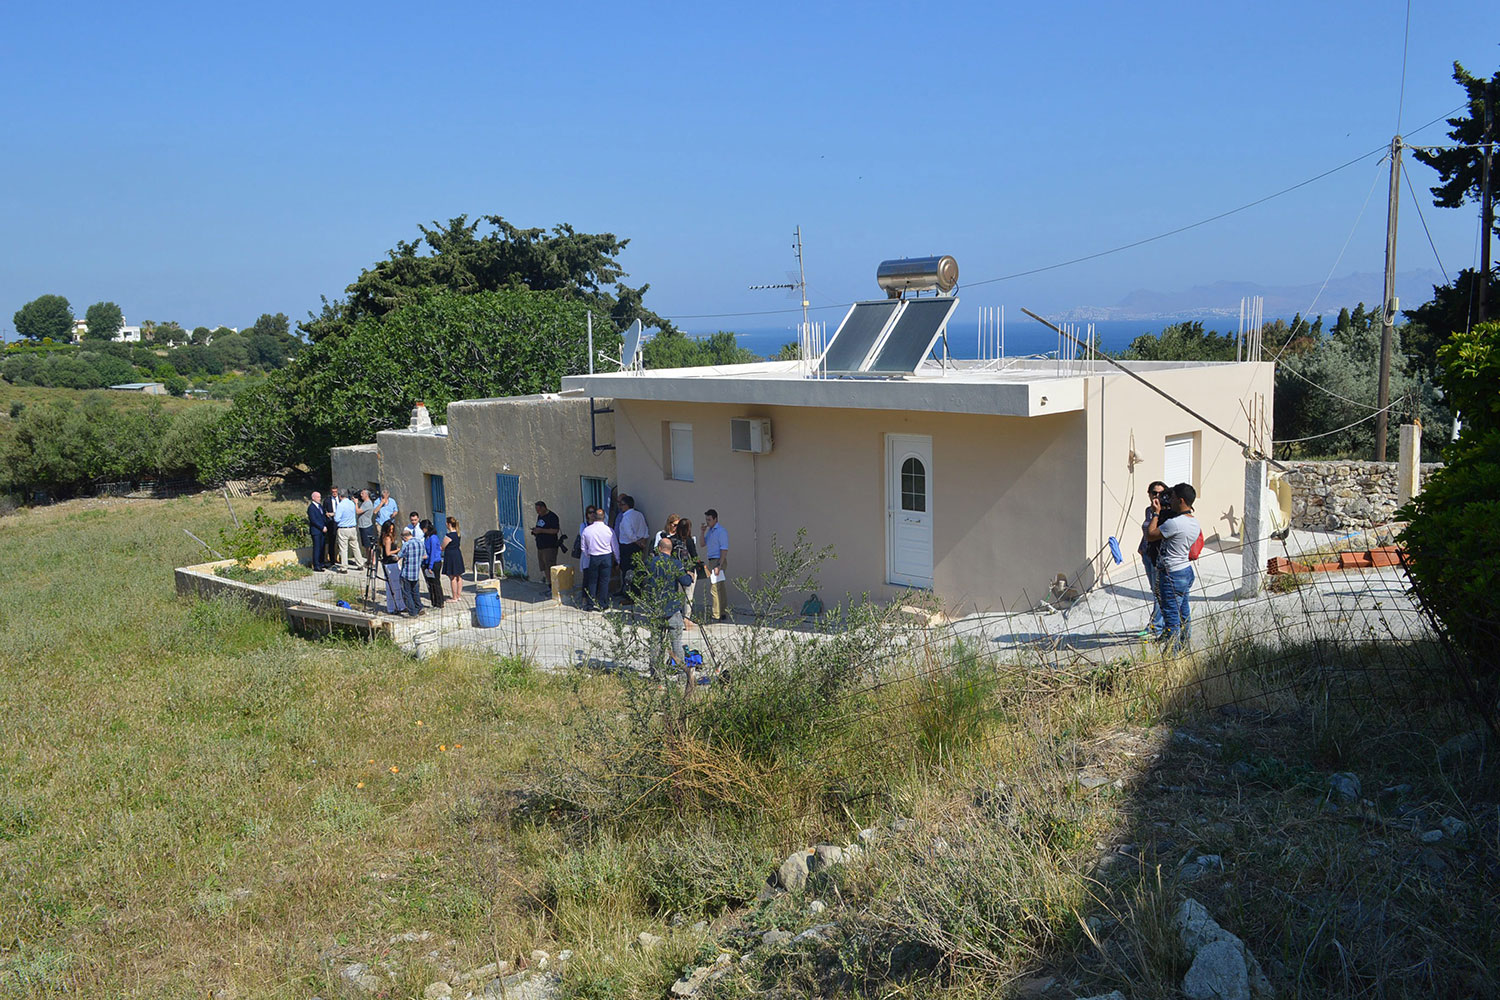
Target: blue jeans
<point x="1173" y="586"/>
<point x="1156" y="617"/>
<point x="411" y="595"/>
<point x="596" y="581"/>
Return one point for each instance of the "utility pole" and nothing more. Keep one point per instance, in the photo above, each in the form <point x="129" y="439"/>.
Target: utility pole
<point x="1388" y="313"/>
<point x="1486" y="200"/>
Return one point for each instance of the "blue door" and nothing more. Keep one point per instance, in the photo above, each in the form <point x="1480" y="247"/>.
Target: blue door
<point x="438" y="499"/>
<point x="508" y="511"/>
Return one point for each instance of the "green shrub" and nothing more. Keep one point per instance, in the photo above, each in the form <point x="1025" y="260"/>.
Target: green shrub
<point x="699" y="872"/>
<point x="1454" y="534"/>
<point x="262" y="533"/>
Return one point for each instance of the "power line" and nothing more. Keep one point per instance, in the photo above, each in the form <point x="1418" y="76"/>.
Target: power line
<point x="1405" y="42"/>
<point x="1417" y="202"/>
<point x="1113" y="250"/>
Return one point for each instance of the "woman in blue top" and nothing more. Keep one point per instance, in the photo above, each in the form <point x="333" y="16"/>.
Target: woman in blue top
<point x="432" y="566"/>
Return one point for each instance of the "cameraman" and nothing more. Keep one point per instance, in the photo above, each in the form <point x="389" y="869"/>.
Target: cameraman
<point x="1149" y="552"/>
<point x="1175" y="527"/>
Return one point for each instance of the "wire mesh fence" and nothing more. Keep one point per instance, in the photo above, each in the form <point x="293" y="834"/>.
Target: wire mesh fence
<point x="1362" y="629"/>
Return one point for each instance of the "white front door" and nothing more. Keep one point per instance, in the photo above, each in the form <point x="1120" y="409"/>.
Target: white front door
<point x="908" y="505"/>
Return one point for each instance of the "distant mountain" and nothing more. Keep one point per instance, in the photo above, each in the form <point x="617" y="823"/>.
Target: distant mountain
<point x="1222" y="298"/>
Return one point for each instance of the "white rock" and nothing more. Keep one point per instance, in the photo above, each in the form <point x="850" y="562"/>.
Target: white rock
<point x="816" y="907"/>
<point x="867" y="835"/>
<point x="775" y="939"/>
<point x="437" y="991"/>
<point x="1454" y="827"/>
<point x="647" y="940"/>
<point x="1218" y="973"/>
<point x="792" y="875"/>
<point x="564" y="955"/>
<point x="539" y="958"/>
<point x="824" y="856"/>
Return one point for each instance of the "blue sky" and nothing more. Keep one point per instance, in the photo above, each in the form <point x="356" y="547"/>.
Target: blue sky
<point x="206" y="163"/>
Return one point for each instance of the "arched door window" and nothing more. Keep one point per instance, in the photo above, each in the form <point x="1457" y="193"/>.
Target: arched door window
<point x="914" y="485"/>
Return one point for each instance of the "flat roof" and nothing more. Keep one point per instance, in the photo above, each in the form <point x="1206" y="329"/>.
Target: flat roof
<point x="1022" y="387"/>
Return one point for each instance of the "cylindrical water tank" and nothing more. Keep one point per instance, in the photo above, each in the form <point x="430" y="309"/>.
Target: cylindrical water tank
<point x="917" y="274"/>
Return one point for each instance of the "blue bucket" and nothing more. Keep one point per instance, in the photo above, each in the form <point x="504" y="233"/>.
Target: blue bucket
<point x="487" y="608"/>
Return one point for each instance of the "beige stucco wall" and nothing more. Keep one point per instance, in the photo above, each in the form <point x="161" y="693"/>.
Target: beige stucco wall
<point x="406" y="458"/>
<point x="543" y="440"/>
<point x="1016" y="500"/>
<point x="1125" y="417"/>
<point x="355" y="467"/>
<point x="1000" y="532"/>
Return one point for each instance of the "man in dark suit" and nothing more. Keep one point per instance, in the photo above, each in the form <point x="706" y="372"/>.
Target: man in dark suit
<point x="331" y="528"/>
<point x="317" y="524"/>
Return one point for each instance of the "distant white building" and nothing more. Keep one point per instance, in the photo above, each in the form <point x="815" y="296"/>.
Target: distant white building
<point x="128" y="335"/>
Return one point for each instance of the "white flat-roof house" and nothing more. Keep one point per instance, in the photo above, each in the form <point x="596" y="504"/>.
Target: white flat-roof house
<point x="982" y="481"/>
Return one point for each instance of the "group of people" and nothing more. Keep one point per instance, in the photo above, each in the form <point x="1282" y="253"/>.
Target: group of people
<point x="630" y="546"/>
<point x="356" y="530"/>
<point x="1168" y="536"/>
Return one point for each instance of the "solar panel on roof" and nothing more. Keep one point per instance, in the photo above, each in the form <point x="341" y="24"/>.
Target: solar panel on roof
<point x="858" y="333"/>
<point x="912" y="336"/>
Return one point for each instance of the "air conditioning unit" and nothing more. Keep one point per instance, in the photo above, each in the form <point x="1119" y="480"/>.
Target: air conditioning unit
<point x="750" y="434"/>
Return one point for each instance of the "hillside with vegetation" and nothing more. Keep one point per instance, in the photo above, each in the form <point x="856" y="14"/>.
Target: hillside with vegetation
<point x="199" y="804"/>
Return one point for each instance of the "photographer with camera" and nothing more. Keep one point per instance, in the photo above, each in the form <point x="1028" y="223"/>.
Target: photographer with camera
<point x="1175" y="527"/>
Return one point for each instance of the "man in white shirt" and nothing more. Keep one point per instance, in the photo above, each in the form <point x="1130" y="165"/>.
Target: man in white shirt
<point x="716" y="555"/>
<point x="346" y="514"/>
<point x="1174" y="566"/>
<point x="601" y="549"/>
<point x="634" y="536"/>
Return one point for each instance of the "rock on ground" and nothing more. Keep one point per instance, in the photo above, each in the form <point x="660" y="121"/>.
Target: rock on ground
<point x="1218" y="973"/>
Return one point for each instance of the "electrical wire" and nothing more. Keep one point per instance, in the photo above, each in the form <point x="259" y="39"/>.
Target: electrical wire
<point x="1405" y="42"/>
<point x="1087" y="257"/>
<point x="1417" y="203"/>
<point x="1367" y="416"/>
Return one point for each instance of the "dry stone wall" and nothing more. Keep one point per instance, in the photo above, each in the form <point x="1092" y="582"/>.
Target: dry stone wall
<point x="1344" y="496"/>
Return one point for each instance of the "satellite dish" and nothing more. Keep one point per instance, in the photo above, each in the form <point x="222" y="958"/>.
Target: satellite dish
<point x="631" y="349"/>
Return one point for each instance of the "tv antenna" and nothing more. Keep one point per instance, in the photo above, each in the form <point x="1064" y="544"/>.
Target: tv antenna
<point x="796" y="282"/>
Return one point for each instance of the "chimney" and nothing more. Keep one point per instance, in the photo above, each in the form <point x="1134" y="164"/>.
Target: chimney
<point x="420" y="421"/>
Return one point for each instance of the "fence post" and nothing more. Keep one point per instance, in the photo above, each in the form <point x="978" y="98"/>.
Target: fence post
<point x="1254" y="529"/>
<point x="1409" y="464"/>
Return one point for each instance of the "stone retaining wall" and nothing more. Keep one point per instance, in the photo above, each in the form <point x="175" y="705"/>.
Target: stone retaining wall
<point x="1344" y="496"/>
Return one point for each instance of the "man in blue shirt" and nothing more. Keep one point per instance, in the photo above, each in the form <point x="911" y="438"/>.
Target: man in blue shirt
<point x="716" y="553"/>
<point x="385" y="510"/>
<point x="411" y="556"/>
<point x="346" y="516"/>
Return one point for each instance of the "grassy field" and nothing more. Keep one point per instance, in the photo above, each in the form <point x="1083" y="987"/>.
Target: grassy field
<point x="195" y="803"/>
<point x="30" y="394"/>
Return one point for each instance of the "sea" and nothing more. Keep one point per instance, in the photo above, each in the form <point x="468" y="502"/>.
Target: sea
<point x="1023" y="336"/>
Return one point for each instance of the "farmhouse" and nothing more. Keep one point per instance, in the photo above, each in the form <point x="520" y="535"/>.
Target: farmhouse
<point x="983" y="481"/>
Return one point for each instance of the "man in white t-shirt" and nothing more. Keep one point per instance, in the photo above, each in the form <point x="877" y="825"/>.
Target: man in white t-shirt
<point x="1174" y="568"/>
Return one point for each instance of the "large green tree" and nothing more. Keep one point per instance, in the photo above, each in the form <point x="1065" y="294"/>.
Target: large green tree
<point x="1461" y="170"/>
<point x="458" y="257"/>
<point x="45" y="316"/>
<point x="670" y="349"/>
<point x="104" y="320"/>
<point x="435" y="348"/>
<point x="1464" y="168"/>
<point x="1452" y="310"/>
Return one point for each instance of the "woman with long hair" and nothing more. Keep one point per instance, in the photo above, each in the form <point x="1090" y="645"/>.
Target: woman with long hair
<point x="453" y="558"/>
<point x="432" y="566"/>
<point x="390" y="571"/>
<point x="685" y="548"/>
